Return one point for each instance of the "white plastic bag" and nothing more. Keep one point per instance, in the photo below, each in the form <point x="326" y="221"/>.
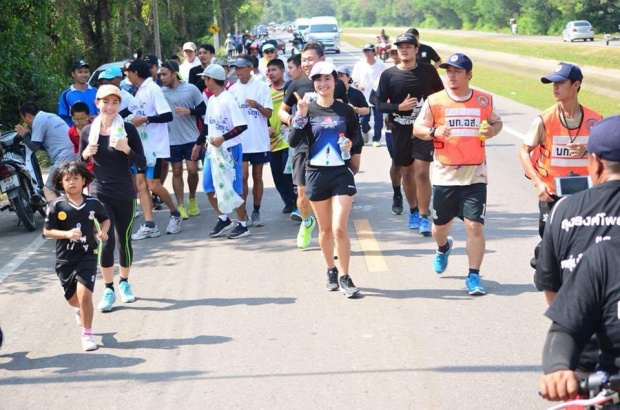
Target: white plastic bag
<point x="223" y="172"/>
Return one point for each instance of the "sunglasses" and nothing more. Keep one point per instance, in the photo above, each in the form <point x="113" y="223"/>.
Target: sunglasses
<point x="80" y="120"/>
<point x="270" y="51"/>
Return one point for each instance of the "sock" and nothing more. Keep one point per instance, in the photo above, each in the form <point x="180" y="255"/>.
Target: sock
<point x="307" y="222"/>
<point x="176" y="213"/>
<point x="412" y="210"/>
<point x="87" y="332"/>
<point x="150" y="224"/>
<point x="445" y="248"/>
<point x="121" y="280"/>
<point x="243" y="223"/>
<point x="473" y="272"/>
<point x="427" y="216"/>
<point x="397" y="191"/>
<point x="223" y="217"/>
<point x="256" y="208"/>
<point x="110" y="286"/>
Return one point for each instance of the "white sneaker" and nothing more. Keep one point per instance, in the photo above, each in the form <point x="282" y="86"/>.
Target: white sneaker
<point x="146" y="232"/>
<point x="88" y="343"/>
<point x="174" y="225"/>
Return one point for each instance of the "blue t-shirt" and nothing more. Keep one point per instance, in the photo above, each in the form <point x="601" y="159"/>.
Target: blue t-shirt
<point x="72" y="95"/>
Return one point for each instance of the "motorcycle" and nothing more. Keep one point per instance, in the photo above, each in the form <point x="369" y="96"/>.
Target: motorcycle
<point x="383" y="48"/>
<point x="21" y="180"/>
<point x="298" y="45"/>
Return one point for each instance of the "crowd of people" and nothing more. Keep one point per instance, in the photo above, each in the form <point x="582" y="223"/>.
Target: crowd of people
<point x="309" y="120"/>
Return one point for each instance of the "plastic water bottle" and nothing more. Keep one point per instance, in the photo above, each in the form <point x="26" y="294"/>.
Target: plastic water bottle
<point x="346" y="155"/>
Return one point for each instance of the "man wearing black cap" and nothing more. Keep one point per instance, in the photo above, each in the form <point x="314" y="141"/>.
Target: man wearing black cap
<point x="365" y="74"/>
<point x="426" y="53"/>
<point x="153" y="63"/>
<point x="555" y="145"/>
<point x="401" y="92"/>
<point x="458" y="120"/>
<point x="586" y="286"/>
<point x="79" y="91"/>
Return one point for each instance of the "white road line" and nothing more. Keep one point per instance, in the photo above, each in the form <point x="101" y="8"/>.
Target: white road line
<point x="513" y="132"/>
<point x="16" y="262"/>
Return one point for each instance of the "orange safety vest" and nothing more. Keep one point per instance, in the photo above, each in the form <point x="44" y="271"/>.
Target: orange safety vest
<point x="552" y="159"/>
<point x="462" y="147"/>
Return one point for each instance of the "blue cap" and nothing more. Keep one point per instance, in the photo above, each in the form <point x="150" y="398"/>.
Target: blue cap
<point x="563" y="72"/>
<point x="604" y="140"/>
<point x="242" y="62"/>
<point x="458" y="60"/>
<point x="344" y="70"/>
<point x="110" y="73"/>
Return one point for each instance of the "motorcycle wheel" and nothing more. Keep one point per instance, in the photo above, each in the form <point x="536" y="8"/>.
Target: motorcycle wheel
<point x="24" y="211"/>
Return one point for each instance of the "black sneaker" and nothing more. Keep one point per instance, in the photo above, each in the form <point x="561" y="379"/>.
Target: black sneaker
<point x="157" y="203"/>
<point x="332" y="279"/>
<point x="397" y="205"/>
<point x="239" y="231"/>
<point x="347" y="287"/>
<point x="289" y="208"/>
<point x="220" y="227"/>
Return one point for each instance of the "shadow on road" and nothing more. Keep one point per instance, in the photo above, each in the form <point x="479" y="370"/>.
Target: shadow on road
<point x="174" y="304"/>
<point x="67" y="363"/>
<point x="109" y="342"/>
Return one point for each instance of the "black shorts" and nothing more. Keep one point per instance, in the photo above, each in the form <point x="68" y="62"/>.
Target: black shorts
<point x="325" y="183"/>
<point x="299" y="168"/>
<point x="406" y="148"/>
<point x="84" y="271"/>
<point x="469" y="202"/>
<point x="178" y="153"/>
<point x="257" y="157"/>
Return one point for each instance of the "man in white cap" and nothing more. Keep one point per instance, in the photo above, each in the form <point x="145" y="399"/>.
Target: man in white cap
<point x="190" y="61"/>
<point x="365" y="74"/>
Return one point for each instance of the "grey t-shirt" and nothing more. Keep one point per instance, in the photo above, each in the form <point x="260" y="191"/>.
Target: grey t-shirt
<point x="183" y="129"/>
<point x="53" y="134"/>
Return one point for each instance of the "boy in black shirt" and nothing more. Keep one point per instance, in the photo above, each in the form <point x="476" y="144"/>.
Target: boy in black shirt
<point x="72" y="220"/>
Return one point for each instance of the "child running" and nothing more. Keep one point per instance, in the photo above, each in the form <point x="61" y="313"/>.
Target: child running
<point x="72" y="220"/>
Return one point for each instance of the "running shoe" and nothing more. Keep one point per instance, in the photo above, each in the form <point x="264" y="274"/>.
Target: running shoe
<point x="397" y="205"/>
<point x="290" y="208"/>
<point x="376" y="144"/>
<point x="220" y="227"/>
<point x="347" y="287"/>
<point x="365" y="137"/>
<point x="256" y="219"/>
<point x="157" y="202"/>
<point x="473" y="285"/>
<point x="193" y="209"/>
<point x="239" y="231"/>
<point x="414" y="220"/>
<point x="107" y="300"/>
<point x="88" y="343"/>
<point x="440" y="261"/>
<point x="146" y="232"/>
<point x="183" y="212"/>
<point x="174" y="225"/>
<point x="305" y="233"/>
<point x="127" y="295"/>
<point x="332" y="279"/>
<point x="296" y="216"/>
<point x="425" y="226"/>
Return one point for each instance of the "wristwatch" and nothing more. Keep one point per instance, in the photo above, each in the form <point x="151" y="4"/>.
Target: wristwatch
<point x="431" y="132"/>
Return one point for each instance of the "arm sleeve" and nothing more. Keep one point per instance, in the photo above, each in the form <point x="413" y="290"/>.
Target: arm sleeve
<point x="136" y="155"/>
<point x="125" y="112"/>
<point x="235" y="132"/>
<point x="161" y="118"/>
<point x="561" y="350"/>
<point x="202" y="138"/>
<point x="352" y="126"/>
<point x="33" y="145"/>
<point x="199" y="110"/>
<point x="381" y="97"/>
<point x="296" y="136"/>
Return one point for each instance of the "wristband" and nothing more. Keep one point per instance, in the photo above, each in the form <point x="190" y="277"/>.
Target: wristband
<point x="299" y="122"/>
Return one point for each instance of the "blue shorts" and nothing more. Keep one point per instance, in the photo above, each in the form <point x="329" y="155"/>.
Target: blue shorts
<point x="153" y="172"/>
<point x="257" y="157"/>
<point x="207" y="178"/>
<point x="178" y="153"/>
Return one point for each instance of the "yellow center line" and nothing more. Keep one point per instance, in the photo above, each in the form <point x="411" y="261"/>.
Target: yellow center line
<point x="370" y="247"/>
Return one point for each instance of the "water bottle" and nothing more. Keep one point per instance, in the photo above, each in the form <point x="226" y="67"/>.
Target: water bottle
<point x="346" y="155"/>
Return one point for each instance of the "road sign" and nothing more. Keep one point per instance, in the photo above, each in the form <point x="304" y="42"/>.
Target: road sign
<point x="214" y="28"/>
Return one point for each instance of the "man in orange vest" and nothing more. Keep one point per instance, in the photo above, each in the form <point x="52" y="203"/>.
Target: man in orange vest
<point x="555" y="145"/>
<point x="459" y="120"/>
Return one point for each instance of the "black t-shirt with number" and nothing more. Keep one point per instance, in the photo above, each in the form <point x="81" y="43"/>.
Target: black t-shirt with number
<point x="588" y="302"/>
<point x="64" y="215"/>
<point x="427" y="54"/>
<point x="394" y="86"/>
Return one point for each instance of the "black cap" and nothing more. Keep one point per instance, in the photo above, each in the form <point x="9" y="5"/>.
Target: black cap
<point x="406" y="38"/>
<point x="170" y="65"/>
<point x="563" y="72"/>
<point x="151" y="59"/>
<point x="79" y="64"/>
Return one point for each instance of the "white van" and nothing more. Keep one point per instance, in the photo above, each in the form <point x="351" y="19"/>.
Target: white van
<point x="326" y="31"/>
<point x="302" y="24"/>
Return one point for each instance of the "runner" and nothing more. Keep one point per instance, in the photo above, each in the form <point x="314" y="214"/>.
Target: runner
<point x="113" y="146"/>
<point x="187" y="106"/>
<point x="224" y="126"/>
<point x="254" y="99"/>
<point x="358" y="102"/>
<point x="71" y="220"/>
<point x="401" y="92"/>
<point x="206" y="52"/>
<point x="426" y="53"/>
<point x="330" y="128"/>
<point x="458" y="120"/>
<point x="555" y="145"/>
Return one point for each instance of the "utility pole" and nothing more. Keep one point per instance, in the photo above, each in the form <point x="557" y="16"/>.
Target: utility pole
<point x="156" y="30"/>
<point x="216" y="36"/>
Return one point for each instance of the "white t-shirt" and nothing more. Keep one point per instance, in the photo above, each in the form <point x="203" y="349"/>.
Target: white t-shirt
<point x="367" y="75"/>
<point x="185" y="66"/>
<point x="148" y="102"/>
<point x="256" y="137"/>
<point x="223" y="114"/>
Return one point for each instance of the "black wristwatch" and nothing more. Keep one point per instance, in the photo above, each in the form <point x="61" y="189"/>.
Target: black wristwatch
<point x="431" y="132"/>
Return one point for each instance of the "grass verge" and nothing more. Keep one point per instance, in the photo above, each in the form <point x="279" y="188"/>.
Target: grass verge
<point x="521" y="88"/>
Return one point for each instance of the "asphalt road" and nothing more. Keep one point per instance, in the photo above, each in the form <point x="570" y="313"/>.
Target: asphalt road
<point x="247" y="324"/>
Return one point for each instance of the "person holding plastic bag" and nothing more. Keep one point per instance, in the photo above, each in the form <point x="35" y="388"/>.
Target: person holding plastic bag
<point x="222" y="175"/>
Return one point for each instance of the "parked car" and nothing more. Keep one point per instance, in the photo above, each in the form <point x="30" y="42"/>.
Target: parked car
<point x="95" y="75"/>
<point x="578" y="30"/>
